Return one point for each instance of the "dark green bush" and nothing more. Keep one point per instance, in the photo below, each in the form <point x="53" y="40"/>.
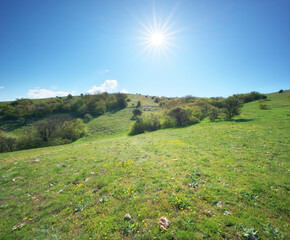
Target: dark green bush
<point x="59" y="129"/>
<point x="213" y="114"/>
<point x="147" y="124"/>
<point x="137" y="127"/>
<point x="100" y="108"/>
<point x="138" y="104"/>
<point x="182" y="116"/>
<point x="8" y="143"/>
<point x="168" y="122"/>
<point x="249" y="97"/>
<point x="137" y="112"/>
<point x="232" y="107"/>
<point x="95" y="105"/>
<point x="88" y="117"/>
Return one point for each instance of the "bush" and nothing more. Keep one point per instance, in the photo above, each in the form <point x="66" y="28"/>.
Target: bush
<point x="262" y="105"/>
<point x="147" y="124"/>
<point x="138" y="104"/>
<point x="232" y="107"/>
<point x="59" y="129"/>
<point x="100" y="108"/>
<point x="137" y="112"/>
<point x="73" y="130"/>
<point x="168" y="122"/>
<point x="8" y="143"/>
<point x="29" y="140"/>
<point x="121" y="100"/>
<point x="88" y="117"/>
<point x="249" y="97"/>
<point x="137" y="127"/>
<point x="51" y="127"/>
<point x="182" y="116"/>
<point x="213" y="114"/>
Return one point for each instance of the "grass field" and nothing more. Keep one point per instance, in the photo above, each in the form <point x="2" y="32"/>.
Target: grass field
<point x="212" y="180"/>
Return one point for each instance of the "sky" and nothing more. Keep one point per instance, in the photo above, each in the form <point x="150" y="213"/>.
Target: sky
<point x="158" y="48"/>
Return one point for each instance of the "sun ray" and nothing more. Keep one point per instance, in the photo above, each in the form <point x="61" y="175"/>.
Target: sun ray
<point x="157" y="36"/>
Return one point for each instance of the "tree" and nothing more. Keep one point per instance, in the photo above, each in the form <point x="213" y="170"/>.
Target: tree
<point x="213" y="114"/>
<point x="121" y="100"/>
<point x="138" y="104"/>
<point x="137" y="112"/>
<point x="182" y="116"/>
<point x="232" y="107"/>
<point x="69" y="97"/>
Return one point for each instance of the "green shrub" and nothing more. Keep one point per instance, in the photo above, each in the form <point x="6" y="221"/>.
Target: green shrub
<point x="168" y="122"/>
<point x="153" y="122"/>
<point x="137" y="127"/>
<point x="232" y="107"/>
<point x="262" y="105"/>
<point x="88" y="117"/>
<point x="8" y="143"/>
<point x="59" y="129"/>
<point x="147" y="124"/>
<point x="182" y="116"/>
<point x="29" y="140"/>
<point x="213" y="114"/>
<point x="121" y="100"/>
<point x="197" y="113"/>
<point x="73" y="130"/>
<point x="100" y="108"/>
<point x="137" y="112"/>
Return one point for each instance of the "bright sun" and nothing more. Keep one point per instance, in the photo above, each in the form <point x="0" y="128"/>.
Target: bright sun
<point x="157" y="36"/>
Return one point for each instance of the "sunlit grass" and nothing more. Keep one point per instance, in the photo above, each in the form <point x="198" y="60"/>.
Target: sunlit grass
<point x="83" y="190"/>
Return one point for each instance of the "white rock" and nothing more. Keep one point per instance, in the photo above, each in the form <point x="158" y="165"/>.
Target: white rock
<point x="164" y="222"/>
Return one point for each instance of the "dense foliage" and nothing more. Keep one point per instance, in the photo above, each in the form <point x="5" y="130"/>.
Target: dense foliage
<point x="55" y="130"/>
<point x="57" y="125"/>
<point x="180" y="112"/>
<point x="95" y="105"/>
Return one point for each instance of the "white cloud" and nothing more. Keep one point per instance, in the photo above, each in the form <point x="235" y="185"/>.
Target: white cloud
<point x="45" y="93"/>
<point x="124" y="91"/>
<point x="108" y="85"/>
<point x="107" y="70"/>
<point x="1" y="87"/>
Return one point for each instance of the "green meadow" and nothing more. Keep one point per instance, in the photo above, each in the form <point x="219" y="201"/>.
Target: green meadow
<point x="211" y="180"/>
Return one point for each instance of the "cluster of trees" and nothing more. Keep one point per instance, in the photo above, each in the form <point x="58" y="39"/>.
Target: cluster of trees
<point x="59" y="124"/>
<point x="180" y="112"/>
<point x="94" y="105"/>
<point x="55" y="130"/>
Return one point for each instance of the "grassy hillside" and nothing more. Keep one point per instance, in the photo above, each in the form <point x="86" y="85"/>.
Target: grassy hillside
<point x="111" y="123"/>
<point x="213" y="180"/>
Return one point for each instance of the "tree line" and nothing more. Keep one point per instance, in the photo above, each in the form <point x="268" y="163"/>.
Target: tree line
<point x="189" y="110"/>
<point x="54" y="121"/>
<point x="94" y="105"/>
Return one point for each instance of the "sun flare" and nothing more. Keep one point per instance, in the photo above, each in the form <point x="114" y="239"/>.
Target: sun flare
<point x="157" y="36"/>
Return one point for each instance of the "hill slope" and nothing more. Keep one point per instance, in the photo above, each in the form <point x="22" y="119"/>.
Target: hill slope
<point x="209" y="180"/>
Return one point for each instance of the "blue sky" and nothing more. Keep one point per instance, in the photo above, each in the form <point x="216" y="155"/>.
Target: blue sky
<point x="216" y="48"/>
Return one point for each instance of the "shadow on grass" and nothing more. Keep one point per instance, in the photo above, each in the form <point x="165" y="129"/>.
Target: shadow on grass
<point x="242" y="120"/>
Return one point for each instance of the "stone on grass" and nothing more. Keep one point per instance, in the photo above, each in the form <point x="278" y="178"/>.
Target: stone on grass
<point x="127" y="217"/>
<point x="18" y="226"/>
<point x="164" y="222"/>
<point x="219" y="204"/>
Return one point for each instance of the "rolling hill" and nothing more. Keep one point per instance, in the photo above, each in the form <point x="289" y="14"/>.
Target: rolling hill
<point x="213" y="180"/>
